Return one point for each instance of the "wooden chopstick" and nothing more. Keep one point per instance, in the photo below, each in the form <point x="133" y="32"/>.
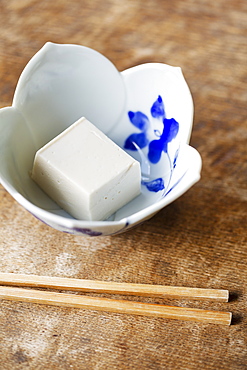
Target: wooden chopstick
<point x="83" y="285"/>
<point x="112" y="305"/>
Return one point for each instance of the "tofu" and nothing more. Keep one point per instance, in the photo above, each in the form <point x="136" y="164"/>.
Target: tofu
<point x="86" y="173"/>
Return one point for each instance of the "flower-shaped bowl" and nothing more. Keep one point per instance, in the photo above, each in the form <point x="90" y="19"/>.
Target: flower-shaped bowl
<point x="147" y="110"/>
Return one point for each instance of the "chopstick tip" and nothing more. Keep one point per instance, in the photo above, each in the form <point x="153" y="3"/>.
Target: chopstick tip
<point x="230" y="318"/>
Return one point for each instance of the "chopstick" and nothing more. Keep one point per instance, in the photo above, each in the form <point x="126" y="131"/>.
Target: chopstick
<point x="82" y="285"/>
<point x="113" y="305"/>
<point x="116" y="306"/>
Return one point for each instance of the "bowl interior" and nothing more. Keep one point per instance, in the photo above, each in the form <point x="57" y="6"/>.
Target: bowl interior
<point x="146" y="121"/>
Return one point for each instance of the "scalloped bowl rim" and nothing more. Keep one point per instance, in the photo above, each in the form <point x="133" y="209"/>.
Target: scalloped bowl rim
<point x="126" y="222"/>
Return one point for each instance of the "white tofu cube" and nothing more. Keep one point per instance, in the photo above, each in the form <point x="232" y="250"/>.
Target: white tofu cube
<point x="86" y="173"/>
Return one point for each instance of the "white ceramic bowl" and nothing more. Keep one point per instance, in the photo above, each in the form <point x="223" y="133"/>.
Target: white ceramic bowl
<point x="147" y="110"/>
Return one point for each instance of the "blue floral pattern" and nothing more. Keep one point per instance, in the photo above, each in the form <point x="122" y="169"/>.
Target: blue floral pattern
<point x="156" y="147"/>
<point x="87" y="231"/>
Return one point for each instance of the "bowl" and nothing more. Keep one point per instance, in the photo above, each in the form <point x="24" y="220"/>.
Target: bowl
<point x="147" y="110"/>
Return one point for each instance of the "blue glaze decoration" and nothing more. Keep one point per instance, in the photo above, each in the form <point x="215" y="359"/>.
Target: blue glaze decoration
<point x="156" y="147"/>
<point x="139" y="120"/>
<point x="158" y="108"/>
<point x="178" y="181"/>
<point x="155" y="185"/>
<point x="77" y="229"/>
<point x="137" y="141"/>
<point x="175" y="158"/>
<point x="88" y="232"/>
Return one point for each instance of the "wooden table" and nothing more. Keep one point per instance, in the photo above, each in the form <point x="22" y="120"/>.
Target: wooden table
<point x="199" y="240"/>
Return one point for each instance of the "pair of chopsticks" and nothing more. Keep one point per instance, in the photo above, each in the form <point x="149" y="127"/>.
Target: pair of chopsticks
<point x="113" y="305"/>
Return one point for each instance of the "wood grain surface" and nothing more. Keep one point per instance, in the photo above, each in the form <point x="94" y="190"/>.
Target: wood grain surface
<point x="200" y="240"/>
